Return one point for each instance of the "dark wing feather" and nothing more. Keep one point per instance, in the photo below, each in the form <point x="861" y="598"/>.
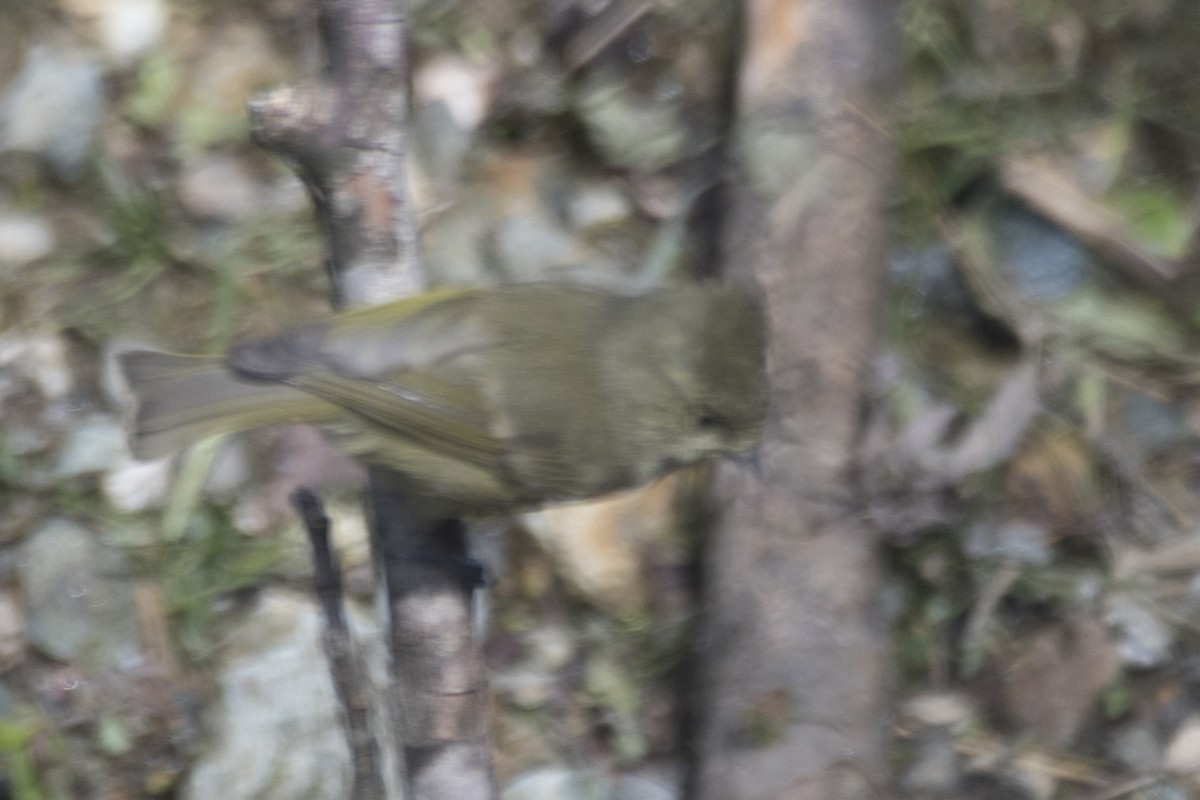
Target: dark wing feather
<point x="416" y="334"/>
<point x="410" y="334"/>
<point x="445" y="417"/>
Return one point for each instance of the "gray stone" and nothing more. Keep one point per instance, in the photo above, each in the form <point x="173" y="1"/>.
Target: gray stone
<point x="632" y="130"/>
<point x="1137" y="748"/>
<point x="1143" y="639"/>
<point x="935" y="768"/>
<point x="129" y="28"/>
<point x="79" y="604"/>
<point x="133" y="486"/>
<point x="648" y="784"/>
<point x="24" y="238"/>
<point x="220" y="188"/>
<point x="96" y="444"/>
<point x="598" y="205"/>
<point x="558" y="783"/>
<point x="277" y="734"/>
<point x="531" y="247"/>
<point x="53" y="107"/>
<point x="1020" y="540"/>
<point x="1046" y="263"/>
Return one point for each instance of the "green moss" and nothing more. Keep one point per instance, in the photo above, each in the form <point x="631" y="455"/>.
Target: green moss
<point x="1161" y="219"/>
<point x="210" y="560"/>
<point x="1118" y="699"/>
<point x="20" y="734"/>
<point x="155" y="96"/>
<point x="201" y="128"/>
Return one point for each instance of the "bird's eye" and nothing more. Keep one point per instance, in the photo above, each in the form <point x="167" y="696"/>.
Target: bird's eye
<point x="707" y="420"/>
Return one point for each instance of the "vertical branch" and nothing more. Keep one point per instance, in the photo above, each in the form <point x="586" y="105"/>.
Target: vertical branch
<point x="793" y="683"/>
<point x="345" y="135"/>
<point x="442" y="705"/>
<point x="345" y="662"/>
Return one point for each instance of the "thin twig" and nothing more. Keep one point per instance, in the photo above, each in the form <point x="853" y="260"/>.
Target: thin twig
<point x="345" y="663"/>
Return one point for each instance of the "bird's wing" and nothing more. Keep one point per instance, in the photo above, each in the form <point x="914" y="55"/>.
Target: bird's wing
<point x="415" y="333"/>
<point x="423" y="333"/>
<point x="449" y="417"/>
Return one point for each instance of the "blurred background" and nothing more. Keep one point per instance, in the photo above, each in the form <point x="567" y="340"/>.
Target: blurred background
<point x="1032" y="446"/>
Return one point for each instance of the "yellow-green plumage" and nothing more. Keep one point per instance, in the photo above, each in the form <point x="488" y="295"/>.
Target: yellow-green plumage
<point x="488" y="400"/>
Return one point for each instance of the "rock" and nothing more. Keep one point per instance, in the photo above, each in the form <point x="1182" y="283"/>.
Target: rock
<point x="558" y="783"/>
<point x="1183" y="752"/>
<point x="1155" y="426"/>
<point x="939" y="710"/>
<point x="935" y="768"/>
<point x="931" y="280"/>
<point x="1172" y="790"/>
<point x="452" y="98"/>
<point x="24" y="238"/>
<point x="34" y="404"/>
<point x="53" y="107"/>
<point x="640" y="131"/>
<point x="78" y="605"/>
<point x="532" y="247"/>
<point x="597" y="545"/>
<point x="452" y="245"/>
<point x="1143" y="640"/>
<point x="550" y="647"/>
<point x="255" y="514"/>
<point x="129" y="28"/>
<point x="1020" y="540"/>
<point x="465" y="89"/>
<point x="39" y="357"/>
<point x="8" y="701"/>
<point x="285" y="195"/>
<point x="125" y="28"/>
<point x="230" y="472"/>
<point x="524" y="687"/>
<point x="439" y="147"/>
<point x="95" y="444"/>
<point x="219" y="187"/>
<point x="34" y="401"/>
<point x="534" y="93"/>
<point x="1046" y="263"/>
<point x="648" y="785"/>
<point x="12" y="632"/>
<point x="133" y="486"/>
<point x="277" y="734"/>
<point x="1137" y="748"/>
<point x="598" y="205"/>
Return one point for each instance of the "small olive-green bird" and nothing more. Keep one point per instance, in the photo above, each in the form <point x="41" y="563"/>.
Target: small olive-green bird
<point x="488" y="400"/>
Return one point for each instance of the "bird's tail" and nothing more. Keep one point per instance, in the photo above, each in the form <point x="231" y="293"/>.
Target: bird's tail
<point x="182" y="399"/>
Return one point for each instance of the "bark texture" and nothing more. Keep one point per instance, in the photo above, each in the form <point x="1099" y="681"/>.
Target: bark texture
<point x="794" y="678"/>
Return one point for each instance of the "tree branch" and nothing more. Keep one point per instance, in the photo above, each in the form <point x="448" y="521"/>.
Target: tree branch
<point x="345" y="661"/>
<point x="794" y="661"/>
<point x="345" y="135"/>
